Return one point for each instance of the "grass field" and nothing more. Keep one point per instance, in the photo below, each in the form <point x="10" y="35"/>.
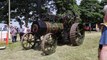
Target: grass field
<point x="87" y="51"/>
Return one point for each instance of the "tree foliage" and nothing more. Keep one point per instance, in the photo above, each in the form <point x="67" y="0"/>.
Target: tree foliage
<point x="4" y="10"/>
<point x="103" y="2"/>
<point x="24" y="7"/>
<point x="67" y="6"/>
<point x="91" y="11"/>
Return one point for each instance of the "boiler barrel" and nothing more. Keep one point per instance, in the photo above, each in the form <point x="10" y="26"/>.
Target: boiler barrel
<point x="43" y="27"/>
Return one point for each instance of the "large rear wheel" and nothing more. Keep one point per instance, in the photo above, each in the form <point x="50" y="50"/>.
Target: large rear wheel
<point x="77" y="34"/>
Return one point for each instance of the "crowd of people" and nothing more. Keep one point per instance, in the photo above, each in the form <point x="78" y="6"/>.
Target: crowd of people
<point x="21" y="31"/>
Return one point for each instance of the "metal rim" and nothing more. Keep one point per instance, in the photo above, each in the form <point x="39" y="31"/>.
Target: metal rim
<point x="28" y="41"/>
<point x="77" y="34"/>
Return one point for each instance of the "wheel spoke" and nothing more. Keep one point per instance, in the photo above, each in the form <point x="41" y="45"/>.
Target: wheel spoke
<point x="26" y="44"/>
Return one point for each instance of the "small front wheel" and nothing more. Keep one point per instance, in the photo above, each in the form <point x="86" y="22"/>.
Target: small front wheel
<point x="28" y="41"/>
<point x="48" y="44"/>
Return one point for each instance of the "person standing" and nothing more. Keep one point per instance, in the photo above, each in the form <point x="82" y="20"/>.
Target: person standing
<point x="103" y="39"/>
<point x="5" y="28"/>
<point x="13" y="33"/>
<point x="21" y="32"/>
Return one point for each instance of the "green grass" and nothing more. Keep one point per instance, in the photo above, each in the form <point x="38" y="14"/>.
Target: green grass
<point x="86" y="51"/>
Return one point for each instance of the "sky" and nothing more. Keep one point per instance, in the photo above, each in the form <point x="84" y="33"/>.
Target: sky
<point x="78" y="1"/>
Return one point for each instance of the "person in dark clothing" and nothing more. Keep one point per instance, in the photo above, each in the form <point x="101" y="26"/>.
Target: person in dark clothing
<point x="21" y="32"/>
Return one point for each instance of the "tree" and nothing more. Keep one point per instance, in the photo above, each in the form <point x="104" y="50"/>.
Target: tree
<point x="27" y="8"/>
<point x="37" y="7"/>
<point x="4" y="11"/>
<point x="67" y="5"/>
<point x="91" y="11"/>
<point x="103" y="2"/>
